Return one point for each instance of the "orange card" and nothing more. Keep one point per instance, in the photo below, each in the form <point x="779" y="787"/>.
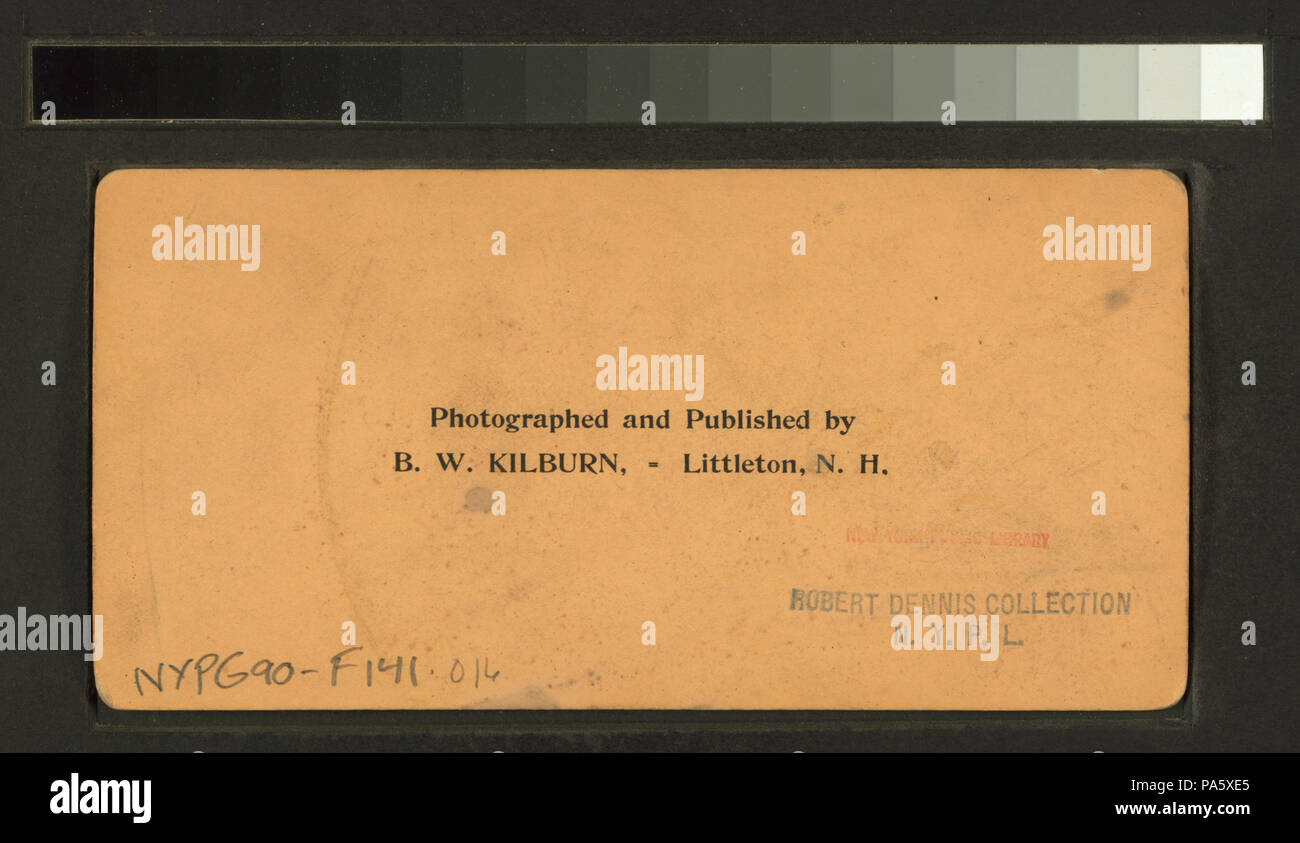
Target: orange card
<point x="729" y="439"/>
